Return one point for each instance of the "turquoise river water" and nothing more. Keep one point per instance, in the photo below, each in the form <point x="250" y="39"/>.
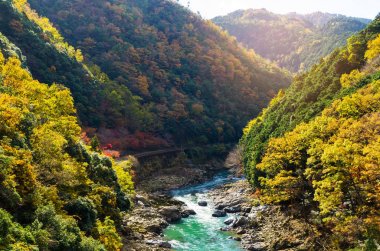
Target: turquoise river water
<point x="201" y="231"/>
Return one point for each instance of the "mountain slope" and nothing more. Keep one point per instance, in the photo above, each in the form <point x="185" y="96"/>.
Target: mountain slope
<point x="201" y="85"/>
<point x="55" y="193"/>
<point x="308" y="95"/>
<point x="50" y="63"/>
<point x="316" y="146"/>
<point x="294" y="41"/>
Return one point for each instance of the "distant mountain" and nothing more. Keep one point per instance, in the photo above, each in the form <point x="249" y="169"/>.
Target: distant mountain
<point x="293" y="41"/>
<point x="320" y="19"/>
<point x="196" y="81"/>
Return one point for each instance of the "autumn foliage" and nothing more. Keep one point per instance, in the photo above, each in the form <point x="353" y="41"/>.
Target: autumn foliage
<point x="329" y="163"/>
<point x="196" y="81"/>
<point x="56" y="194"/>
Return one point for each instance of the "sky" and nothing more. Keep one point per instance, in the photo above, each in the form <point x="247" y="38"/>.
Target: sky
<point x="356" y="8"/>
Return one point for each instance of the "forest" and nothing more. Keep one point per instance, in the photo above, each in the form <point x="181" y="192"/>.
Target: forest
<point x="195" y="81"/>
<point x="58" y="190"/>
<point x="316" y="145"/>
<point x="85" y="83"/>
<point x="49" y="178"/>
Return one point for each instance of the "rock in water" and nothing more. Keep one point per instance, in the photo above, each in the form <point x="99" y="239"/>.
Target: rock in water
<point x="224" y="229"/>
<point x="184" y="215"/>
<point x="229" y="221"/>
<point x="192" y="212"/>
<point x="171" y="213"/>
<point x="202" y="203"/>
<point x="237" y="238"/>
<point x="187" y="212"/>
<point x="219" y="213"/>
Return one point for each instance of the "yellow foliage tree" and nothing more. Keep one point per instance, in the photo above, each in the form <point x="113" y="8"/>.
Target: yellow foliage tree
<point x="44" y="163"/>
<point x="50" y="31"/>
<point x="351" y="79"/>
<point x="373" y="49"/>
<point x="123" y="172"/>
<point x="333" y="160"/>
<point x="143" y="85"/>
<point x="108" y="234"/>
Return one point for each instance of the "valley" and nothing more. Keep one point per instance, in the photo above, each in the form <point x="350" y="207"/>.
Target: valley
<point x="138" y="125"/>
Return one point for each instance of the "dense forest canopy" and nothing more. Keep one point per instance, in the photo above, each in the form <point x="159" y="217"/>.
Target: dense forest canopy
<point x="150" y="73"/>
<point x="55" y="192"/>
<point x="293" y="41"/>
<point x="51" y="60"/>
<point x="199" y="83"/>
<point x="316" y="146"/>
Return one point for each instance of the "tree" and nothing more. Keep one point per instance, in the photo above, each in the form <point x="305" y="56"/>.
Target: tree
<point x="332" y="161"/>
<point x="95" y="144"/>
<point x="351" y="79"/>
<point x="49" y="180"/>
<point x="143" y="85"/>
<point x="373" y="49"/>
<point x="108" y="234"/>
<point x="123" y="171"/>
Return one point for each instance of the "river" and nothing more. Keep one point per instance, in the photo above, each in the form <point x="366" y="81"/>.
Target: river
<point x="201" y="231"/>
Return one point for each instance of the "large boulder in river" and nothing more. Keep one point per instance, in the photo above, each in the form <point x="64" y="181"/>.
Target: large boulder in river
<point x="186" y="212"/>
<point x="202" y="203"/>
<point x="219" y="213"/>
<point x="171" y="213"/>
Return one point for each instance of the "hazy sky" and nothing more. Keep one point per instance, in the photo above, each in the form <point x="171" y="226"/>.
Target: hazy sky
<point x="357" y="8"/>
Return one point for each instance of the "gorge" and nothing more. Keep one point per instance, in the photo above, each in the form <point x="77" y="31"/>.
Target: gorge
<point x="139" y="125"/>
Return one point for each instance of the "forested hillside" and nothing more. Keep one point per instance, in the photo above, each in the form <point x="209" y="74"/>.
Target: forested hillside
<point x="201" y="86"/>
<point x="293" y="41"/>
<point x="99" y="101"/>
<point x="148" y="74"/>
<point x="55" y="193"/>
<point x="316" y="146"/>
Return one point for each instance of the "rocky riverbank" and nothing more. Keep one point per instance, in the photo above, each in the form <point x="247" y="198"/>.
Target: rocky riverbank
<point x="262" y="227"/>
<point x="143" y="227"/>
<point x="154" y="209"/>
<point x="256" y="227"/>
